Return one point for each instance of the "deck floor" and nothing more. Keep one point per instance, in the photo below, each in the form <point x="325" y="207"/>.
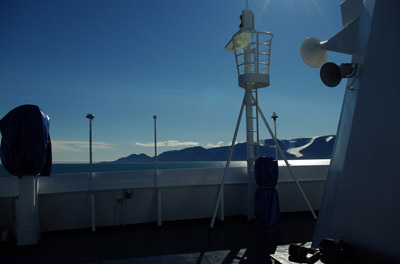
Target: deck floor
<point x="234" y="240"/>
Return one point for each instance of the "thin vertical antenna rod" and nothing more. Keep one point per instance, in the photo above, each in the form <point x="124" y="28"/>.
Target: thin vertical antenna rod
<point x="246" y="7"/>
<point x="92" y="200"/>
<point x="257" y="127"/>
<point x="156" y="173"/>
<point x="90" y="150"/>
<point x="155" y="148"/>
<point x="91" y="181"/>
<point x="274" y="117"/>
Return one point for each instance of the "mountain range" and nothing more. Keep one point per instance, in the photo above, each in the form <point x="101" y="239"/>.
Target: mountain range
<point x="299" y="148"/>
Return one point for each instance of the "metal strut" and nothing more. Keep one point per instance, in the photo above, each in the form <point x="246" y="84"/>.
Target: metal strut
<point x="286" y="161"/>
<point x="220" y="190"/>
<point x="221" y="186"/>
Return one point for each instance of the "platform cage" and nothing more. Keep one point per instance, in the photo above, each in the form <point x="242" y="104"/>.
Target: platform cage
<point x="253" y="61"/>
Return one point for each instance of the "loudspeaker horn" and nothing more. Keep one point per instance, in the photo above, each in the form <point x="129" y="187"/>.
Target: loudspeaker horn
<point x="330" y="74"/>
<point x="312" y="53"/>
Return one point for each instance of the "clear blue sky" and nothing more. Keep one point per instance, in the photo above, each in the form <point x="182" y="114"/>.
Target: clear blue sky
<point x="125" y="61"/>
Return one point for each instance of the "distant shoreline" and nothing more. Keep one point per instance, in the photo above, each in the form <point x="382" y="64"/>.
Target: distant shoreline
<point x="67" y="168"/>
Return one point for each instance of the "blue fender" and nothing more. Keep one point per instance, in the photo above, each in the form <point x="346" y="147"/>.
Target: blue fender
<point x="25" y="143"/>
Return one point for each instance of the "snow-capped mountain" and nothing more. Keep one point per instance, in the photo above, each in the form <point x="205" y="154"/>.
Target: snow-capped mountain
<point x="299" y="148"/>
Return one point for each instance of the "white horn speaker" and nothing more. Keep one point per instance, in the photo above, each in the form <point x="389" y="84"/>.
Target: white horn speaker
<point x="312" y="53"/>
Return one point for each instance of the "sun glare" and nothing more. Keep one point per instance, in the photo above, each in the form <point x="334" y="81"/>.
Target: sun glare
<point x="322" y="13"/>
<point x="265" y="7"/>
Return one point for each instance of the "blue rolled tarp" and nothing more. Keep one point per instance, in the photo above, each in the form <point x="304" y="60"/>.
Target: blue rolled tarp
<point x="25" y="143"/>
<point x="266" y="199"/>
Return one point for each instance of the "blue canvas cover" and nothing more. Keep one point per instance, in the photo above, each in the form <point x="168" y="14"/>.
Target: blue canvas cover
<point x="267" y="209"/>
<point x="25" y="143"/>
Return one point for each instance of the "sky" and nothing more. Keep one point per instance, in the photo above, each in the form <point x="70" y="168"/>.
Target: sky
<point x="125" y="61"/>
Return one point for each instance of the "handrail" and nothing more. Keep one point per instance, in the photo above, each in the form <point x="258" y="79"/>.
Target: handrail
<point x="261" y="50"/>
<point x="9" y="186"/>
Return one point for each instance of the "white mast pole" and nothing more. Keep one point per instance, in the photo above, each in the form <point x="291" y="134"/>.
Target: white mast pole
<point x="274" y="117"/>
<point x="221" y="186"/>
<point x="92" y="200"/>
<point x="156" y="173"/>
<point x="249" y="135"/>
<point x="155" y="147"/>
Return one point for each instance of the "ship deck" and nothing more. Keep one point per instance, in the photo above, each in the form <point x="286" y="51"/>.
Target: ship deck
<point x="235" y="240"/>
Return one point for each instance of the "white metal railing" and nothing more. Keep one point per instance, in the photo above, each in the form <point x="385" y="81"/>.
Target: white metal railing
<point x="120" y="180"/>
<point x="260" y="49"/>
<point x="186" y="194"/>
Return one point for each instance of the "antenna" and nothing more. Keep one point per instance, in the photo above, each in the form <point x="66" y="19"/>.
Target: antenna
<point x="246" y="7"/>
<point x="91" y="187"/>
<point x="252" y="51"/>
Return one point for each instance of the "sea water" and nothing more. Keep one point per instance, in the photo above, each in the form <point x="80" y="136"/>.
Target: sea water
<point x="102" y="167"/>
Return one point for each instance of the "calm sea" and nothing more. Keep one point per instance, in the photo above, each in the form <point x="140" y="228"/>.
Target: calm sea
<point x="99" y="167"/>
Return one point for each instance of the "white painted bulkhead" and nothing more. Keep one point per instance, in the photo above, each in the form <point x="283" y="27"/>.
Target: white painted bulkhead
<point x="362" y="196"/>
